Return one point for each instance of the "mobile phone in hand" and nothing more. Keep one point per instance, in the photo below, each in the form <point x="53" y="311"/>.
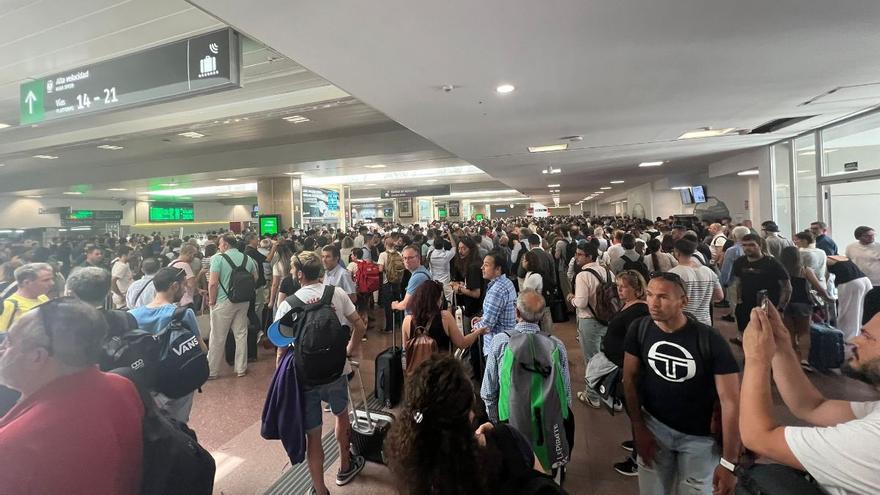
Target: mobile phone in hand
<point x="763" y="300"/>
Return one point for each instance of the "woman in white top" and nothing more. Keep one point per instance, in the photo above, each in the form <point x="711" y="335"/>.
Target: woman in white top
<point x="535" y="280"/>
<point x="656" y="260"/>
<point x="438" y="258"/>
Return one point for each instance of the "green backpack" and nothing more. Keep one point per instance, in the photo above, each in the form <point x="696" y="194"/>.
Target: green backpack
<point x="532" y="396"/>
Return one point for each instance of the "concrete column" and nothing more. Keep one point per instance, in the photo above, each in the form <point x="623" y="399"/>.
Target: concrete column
<point x="281" y="196"/>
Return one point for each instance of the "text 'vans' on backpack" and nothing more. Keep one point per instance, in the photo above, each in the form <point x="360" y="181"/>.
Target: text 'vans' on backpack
<point x="607" y="299"/>
<point x="367" y="277"/>
<point x="242" y="286"/>
<point x="532" y="396"/>
<point x="183" y="365"/>
<point x="419" y="348"/>
<point x="637" y="266"/>
<point x="394" y="268"/>
<point x="321" y="340"/>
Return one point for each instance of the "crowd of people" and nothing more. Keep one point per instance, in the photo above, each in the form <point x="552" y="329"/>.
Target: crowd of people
<point x="489" y="395"/>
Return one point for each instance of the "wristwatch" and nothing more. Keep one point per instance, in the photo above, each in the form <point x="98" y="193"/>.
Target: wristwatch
<point x="727" y="465"/>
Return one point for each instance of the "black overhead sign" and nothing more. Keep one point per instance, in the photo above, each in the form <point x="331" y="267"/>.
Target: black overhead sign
<point x="410" y="192"/>
<point x="209" y="62"/>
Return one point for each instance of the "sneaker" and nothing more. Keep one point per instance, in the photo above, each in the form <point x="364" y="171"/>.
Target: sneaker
<point x="243" y="373"/>
<point x="628" y="445"/>
<point x="589" y="400"/>
<point x="729" y="318"/>
<point x="364" y="338"/>
<point x="618" y="406"/>
<point x="627" y="468"/>
<point x="806" y="367"/>
<point x="326" y="408"/>
<point x="356" y="465"/>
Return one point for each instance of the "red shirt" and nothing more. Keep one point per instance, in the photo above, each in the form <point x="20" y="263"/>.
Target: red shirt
<point x="81" y="434"/>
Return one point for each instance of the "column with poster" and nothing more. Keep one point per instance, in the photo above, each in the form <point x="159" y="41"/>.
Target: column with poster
<point x="454" y="209"/>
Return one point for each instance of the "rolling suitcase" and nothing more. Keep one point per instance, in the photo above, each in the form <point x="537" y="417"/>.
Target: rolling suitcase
<point x="826" y="347"/>
<point x="368" y="428"/>
<point x="389" y="374"/>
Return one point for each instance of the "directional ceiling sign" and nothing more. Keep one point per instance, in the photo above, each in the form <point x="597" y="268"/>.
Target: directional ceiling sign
<point x="205" y="63"/>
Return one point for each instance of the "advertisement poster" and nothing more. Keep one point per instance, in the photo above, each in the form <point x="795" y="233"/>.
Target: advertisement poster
<point x="320" y="205"/>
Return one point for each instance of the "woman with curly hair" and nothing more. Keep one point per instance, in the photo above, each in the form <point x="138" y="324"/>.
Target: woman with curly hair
<point x="433" y="448"/>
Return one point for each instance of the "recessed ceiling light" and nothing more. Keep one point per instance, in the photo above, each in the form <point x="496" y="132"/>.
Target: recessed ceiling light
<point x="605" y="188"/>
<point x="33" y="196"/>
<point x="110" y="147"/>
<point x="505" y="88"/>
<point x="378" y="165"/>
<point x="72" y="193"/>
<point x="293" y="173"/>
<point x="296" y="119"/>
<point x="191" y="135"/>
<point x="223" y="195"/>
<point x="706" y="132"/>
<point x="46" y="157"/>
<point x="551" y="170"/>
<point x="676" y="188"/>
<point x="368" y="185"/>
<point x="227" y="179"/>
<point x="2" y="164"/>
<point x="549" y="147"/>
<point x="117" y="189"/>
<point x="617" y="182"/>
<point x="749" y="172"/>
<point x="169" y="184"/>
<point x="651" y="164"/>
<point x="4" y="126"/>
<point x="430" y="180"/>
<point x="552" y="185"/>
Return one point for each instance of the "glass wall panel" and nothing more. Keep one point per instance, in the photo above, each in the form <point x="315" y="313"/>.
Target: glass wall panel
<point x="782" y="186"/>
<point x="853" y="146"/>
<point x="853" y="204"/>
<point x="806" y="205"/>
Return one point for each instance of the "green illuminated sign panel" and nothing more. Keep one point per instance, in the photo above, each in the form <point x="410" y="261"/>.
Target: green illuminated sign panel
<point x="82" y="215"/>
<point x="441" y="212"/>
<point x="172" y="212"/>
<point x="478" y="217"/>
<point x="269" y="224"/>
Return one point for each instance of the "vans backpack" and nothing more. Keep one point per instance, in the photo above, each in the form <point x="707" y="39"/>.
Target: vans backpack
<point x="636" y="265"/>
<point x="368" y="277"/>
<point x="607" y="299"/>
<point x="419" y="348"/>
<point x="321" y="340"/>
<point x="128" y="350"/>
<point x="183" y="365"/>
<point x="173" y="461"/>
<point x="532" y="396"/>
<point x="242" y="286"/>
<point x="394" y="268"/>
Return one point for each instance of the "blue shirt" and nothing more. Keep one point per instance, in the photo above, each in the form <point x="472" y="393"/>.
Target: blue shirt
<point x="491" y="383"/>
<point x="499" y="310"/>
<point x="826" y="244"/>
<point x="415" y="280"/>
<point x="731" y="255"/>
<point x="155" y="319"/>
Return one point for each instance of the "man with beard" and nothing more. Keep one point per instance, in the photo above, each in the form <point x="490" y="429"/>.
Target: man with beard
<point x="840" y="450"/>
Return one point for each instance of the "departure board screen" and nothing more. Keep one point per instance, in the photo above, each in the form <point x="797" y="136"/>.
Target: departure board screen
<point x="172" y="212"/>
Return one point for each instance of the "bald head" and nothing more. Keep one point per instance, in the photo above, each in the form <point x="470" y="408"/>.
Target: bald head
<point x="530" y="306"/>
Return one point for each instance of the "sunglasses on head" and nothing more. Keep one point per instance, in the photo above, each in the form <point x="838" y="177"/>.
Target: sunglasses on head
<point x="669" y="277"/>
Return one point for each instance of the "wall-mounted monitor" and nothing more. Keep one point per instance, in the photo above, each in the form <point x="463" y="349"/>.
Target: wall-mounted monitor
<point x="171" y="212"/>
<point x="269" y="224"/>
<point x="699" y="193"/>
<point x="686" y="198"/>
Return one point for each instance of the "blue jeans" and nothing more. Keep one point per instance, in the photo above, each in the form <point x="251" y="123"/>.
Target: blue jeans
<point x="334" y="393"/>
<point x="590" y="333"/>
<point x="683" y="464"/>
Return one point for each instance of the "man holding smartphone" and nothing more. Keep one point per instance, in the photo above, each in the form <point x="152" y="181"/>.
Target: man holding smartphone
<point x="756" y="273"/>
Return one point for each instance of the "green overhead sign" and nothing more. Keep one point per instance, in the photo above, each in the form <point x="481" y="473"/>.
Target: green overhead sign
<point x="33" y="98"/>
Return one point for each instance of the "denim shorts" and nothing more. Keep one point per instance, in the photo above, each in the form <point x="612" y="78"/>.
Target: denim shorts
<point x="334" y="393"/>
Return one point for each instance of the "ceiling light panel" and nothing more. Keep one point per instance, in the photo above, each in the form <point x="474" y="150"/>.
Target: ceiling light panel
<point x="706" y="133"/>
<point x="191" y="135"/>
<point x="617" y="182"/>
<point x="116" y="189"/>
<point x="749" y="172"/>
<point x="46" y="157"/>
<point x="249" y="187"/>
<point x="552" y="185"/>
<point x="403" y="175"/>
<point x="605" y="188"/>
<point x="549" y="147"/>
<point x="110" y="147"/>
<point x="378" y="165"/>
<point x="297" y="119"/>
<point x="651" y="164"/>
<point x="505" y="89"/>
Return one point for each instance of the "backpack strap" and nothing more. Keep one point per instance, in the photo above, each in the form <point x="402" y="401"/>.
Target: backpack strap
<point x="14" y="312"/>
<point x="141" y="292"/>
<point x="220" y="279"/>
<point x="327" y="297"/>
<point x="179" y="314"/>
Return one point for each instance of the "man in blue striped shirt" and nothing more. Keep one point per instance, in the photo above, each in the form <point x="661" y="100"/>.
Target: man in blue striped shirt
<point x="499" y="305"/>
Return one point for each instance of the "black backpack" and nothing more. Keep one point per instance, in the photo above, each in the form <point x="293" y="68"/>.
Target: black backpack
<point x="173" y="461"/>
<point x="636" y="265"/>
<point x="570" y="251"/>
<point x="321" y="339"/>
<point x="183" y="366"/>
<point x="242" y="286"/>
<point x="129" y="351"/>
<point x="518" y="477"/>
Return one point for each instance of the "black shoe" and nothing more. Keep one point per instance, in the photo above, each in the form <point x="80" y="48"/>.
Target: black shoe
<point x="628" y="445"/>
<point x="729" y="318"/>
<point x="627" y="468"/>
<point x="356" y="464"/>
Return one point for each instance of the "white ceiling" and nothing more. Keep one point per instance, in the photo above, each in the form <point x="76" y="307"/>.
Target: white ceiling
<point x="627" y="75"/>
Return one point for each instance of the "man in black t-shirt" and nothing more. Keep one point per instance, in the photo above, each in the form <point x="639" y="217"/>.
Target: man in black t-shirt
<point x="675" y="371"/>
<point x="755" y="272"/>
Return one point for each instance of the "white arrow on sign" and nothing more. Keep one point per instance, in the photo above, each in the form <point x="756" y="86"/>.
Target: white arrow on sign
<point x="30" y="99"/>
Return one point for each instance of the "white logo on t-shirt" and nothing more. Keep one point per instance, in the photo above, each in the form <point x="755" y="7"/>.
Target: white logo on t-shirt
<point x="672" y="362"/>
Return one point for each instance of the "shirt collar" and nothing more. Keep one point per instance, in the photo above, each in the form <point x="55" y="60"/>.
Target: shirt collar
<point x="527" y="327"/>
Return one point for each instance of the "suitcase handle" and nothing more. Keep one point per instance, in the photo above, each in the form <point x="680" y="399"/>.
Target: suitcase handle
<point x="357" y="369"/>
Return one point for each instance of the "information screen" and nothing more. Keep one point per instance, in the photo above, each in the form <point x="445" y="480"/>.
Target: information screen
<point x="478" y="217"/>
<point x="82" y="215"/>
<point x="269" y="224"/>
<point x="699" y="194"/>
<point x="172" y="212"/>
<point x="204" y="63"/>
<point x="686" y="198"/>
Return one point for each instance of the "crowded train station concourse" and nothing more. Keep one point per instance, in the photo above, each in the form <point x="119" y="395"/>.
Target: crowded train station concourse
<point x="566" y="247"/>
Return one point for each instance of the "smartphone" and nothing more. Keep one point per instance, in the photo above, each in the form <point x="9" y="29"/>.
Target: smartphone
<point x="763" y="300"/>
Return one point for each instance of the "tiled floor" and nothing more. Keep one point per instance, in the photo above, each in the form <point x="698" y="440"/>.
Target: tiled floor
<point x="227" y="419"/>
